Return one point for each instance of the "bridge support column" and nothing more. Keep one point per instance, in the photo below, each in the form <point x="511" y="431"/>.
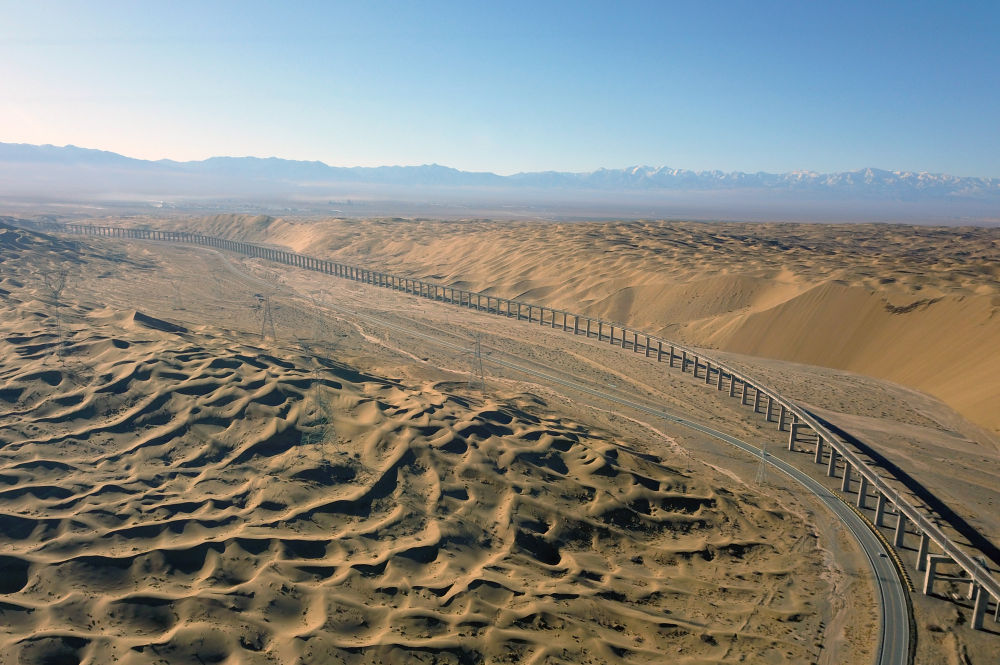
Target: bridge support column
<point x="925" y="543"/>
<point x="880" y="510"/>
<point x="718" y="384"/>
<point x="623" y="338"/>
<point x="863" y="493"/>
<point x="831" y="467"/>
<point x="897" y="541"/>
<point x="793" y="432"/>
<point x="588" y="328"/>
<point x="932" y="564"/>
<point x="732" y="385"/>
<point x="659" y="352"/>
<point x="671" y="355"/>
<point x="818" y="458"/>
<point x="708" y="372"/>
<point x="845" y="483"/>
<point x="576" y="325"/>
<point x="743" y="394"/>
<point x="684" y="361"/>
<point x="979" y="609"/>
<point x="756" y="399"/>
<point x="770" y="409"/>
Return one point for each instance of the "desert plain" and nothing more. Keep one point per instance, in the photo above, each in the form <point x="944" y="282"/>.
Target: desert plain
<point x="209" y="458"/>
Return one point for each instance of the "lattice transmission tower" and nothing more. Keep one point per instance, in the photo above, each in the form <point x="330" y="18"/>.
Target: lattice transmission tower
<point x="266" y="316"/>
<point x="761" y="477"/>
<point x="477" y="377"/>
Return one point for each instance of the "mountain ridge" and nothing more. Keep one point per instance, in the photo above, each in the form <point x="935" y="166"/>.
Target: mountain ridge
<point x="866" y="182"/>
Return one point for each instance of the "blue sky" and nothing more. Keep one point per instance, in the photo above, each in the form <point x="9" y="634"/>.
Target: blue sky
<point x="507" y="87"/>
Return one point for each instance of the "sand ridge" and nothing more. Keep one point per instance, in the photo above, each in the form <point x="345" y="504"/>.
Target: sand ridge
<point x="912" y="304"/>
<point x="179" y="493"/>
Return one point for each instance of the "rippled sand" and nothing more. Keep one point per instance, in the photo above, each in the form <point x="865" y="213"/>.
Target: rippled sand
<point x="187" y="494"/>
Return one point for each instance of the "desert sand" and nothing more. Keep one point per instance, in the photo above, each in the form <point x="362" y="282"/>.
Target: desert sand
<point x="910" y="304"/>
<point x="181" y="491"/>
<point x="341" y="494"/>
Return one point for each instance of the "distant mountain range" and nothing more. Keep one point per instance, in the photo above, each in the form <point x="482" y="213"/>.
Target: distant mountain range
<point x="32" y="175"/>
<point x="871" y="182"/>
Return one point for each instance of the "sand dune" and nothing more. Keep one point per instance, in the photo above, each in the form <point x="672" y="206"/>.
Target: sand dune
<point x="915" y="305"/>
<point x="182" y="494"/>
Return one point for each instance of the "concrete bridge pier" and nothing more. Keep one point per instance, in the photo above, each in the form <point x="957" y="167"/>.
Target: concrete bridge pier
<point x="845" y="483"/>
<point x="671" y="355"/>
<point x="781" y="417"/>
<point x="684" y="361"/>
<point x="897" y="540"/>
<point x="743" y="393"/>
<point x="659" y="352"/>
<point x="732" y="385"/>
<point x="880" y="509"/>
<point x="818" y="457"/>
<point x="925" y="543"/>
<point x="831" y="467"/>
<point x="979" y="609"/>
<point x="931" y="574"/>
<point x="792" y="434"/>
<point x="719" y="383"/>
<point x="769" y="410"/>
<point x="973" y="587"/>
<point x="756" y="399"/>
<point x="863" y="493"/>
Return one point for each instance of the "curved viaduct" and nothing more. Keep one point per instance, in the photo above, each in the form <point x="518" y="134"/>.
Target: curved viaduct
<point x="802" y="427"/>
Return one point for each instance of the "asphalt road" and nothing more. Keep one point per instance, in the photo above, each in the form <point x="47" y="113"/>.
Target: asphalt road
<point x="893" y="641"/>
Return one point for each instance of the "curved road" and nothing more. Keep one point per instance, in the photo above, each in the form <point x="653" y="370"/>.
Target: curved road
<point x="894" y="631"/>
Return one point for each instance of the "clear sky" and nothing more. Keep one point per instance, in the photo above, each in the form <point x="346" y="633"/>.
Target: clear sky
<point x="511" y="86"/>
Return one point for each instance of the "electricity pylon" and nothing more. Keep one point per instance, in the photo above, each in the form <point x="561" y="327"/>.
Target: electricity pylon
<point x="266" y="317"/>
<point x="761" y="477"/>
<point x="478" y="375"/>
